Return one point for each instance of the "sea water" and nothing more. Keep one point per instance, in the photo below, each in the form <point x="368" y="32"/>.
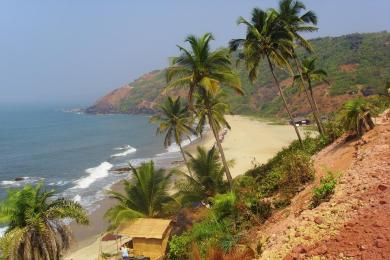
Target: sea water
<point x="73" y="153"/>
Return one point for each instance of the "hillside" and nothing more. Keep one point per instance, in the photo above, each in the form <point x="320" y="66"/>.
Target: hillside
<point x="354" y="62"/>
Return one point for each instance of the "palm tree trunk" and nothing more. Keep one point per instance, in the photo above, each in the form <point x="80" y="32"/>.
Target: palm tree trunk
<point x="284" y="100"/>
<point x="313" y="110"/>
<point x="185" y="158"/>
<point x="219" y="145"/>
<point x="312" y="97"/>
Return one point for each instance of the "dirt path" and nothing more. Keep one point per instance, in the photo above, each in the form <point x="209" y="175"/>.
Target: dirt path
<point x="355" y="223"/>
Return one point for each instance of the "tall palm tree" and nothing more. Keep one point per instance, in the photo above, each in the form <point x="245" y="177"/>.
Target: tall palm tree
<point x="204" y="72"/>
<point x="176" y="122"/>
<point x="356" y="115"/>
<point x="310" y="73"/>
<point x="207" y="179"/>
<point x="145" y="195"/>
<point x="211" y="108"/>
<point x="35" y="223"/>
<point x="290" y="15"/>
<point x="266" y="38"/>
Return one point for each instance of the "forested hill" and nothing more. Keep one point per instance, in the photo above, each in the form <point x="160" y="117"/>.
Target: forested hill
<point x="356" y="63"/>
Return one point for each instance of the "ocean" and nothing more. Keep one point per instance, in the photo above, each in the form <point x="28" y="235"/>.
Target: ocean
<point x="73" y="153"/>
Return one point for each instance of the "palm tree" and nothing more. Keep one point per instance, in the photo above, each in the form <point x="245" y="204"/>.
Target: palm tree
<point x="36" y="229"/>
<point x="204" y="72"/>
<point x="207" y="180"/>
<point x="266" y="39"/>
<point x="310" y="73"/>
<point x="295" y="22"/>
<point x="176" y="122"/>
<point x="145" y="195"/>
<point x="211" y="108"/>
<point x="356" y="116"/>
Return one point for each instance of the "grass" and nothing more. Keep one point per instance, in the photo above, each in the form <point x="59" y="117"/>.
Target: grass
<point x="325" y="190"/>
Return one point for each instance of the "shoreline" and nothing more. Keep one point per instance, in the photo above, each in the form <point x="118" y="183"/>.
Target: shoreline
<point x="250" y="142"/>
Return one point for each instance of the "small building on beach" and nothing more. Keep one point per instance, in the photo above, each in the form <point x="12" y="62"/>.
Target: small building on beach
<point x="301" y="121"/>
<point x="149" y="236"/>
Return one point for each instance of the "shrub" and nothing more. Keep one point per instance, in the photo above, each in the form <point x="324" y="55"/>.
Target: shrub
<point x="216" y="231"/>
<point x="260" y="209"/>
<point x="178" y="246"/>
<point x="333" y="128"/>
<point x="324" y="191"/>
<point x="298" y="169"/>
<point x="224" y="205"/>
<point x="282" y="203"/>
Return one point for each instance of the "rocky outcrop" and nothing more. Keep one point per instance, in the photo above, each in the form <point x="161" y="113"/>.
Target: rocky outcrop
<point x="110" y="103"/>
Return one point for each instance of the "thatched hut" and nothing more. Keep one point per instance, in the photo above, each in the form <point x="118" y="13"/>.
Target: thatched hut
<point x="149" y="236"/>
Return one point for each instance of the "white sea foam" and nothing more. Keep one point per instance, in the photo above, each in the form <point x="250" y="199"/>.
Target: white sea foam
<point x="77" y="198"/>
<point x="95" y="173"/>
<point x="122" y="147"/>
<point x="2" y="231"/>
<point x="8" y="182"/>
<point x="174" y="148"/>
<point x="126" y="151"/>
<point x="58" y="183"/>
<point x="22" y="182"/>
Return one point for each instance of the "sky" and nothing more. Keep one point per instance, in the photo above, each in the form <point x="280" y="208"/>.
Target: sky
<point x="74" y="51"/>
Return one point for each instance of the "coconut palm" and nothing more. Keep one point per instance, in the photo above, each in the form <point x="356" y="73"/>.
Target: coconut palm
<point x="145" y="195"/>
<point x="310" y="73"/>
<point x="356" y="115"/>
<point x="290" y="14"/>
<point x="211" y="108"/>
<point x="36" y="229"/>
<point x="267" y="39"/>
<point x="176" y="122"/>
<point x="207" y="179"/>
<point x="204" y="71"/>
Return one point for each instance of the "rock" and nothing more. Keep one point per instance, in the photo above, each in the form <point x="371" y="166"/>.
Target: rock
<point x="382" y="187"/>
<point x="321" y="250"/>
<point x="301" y="249"/>
<point x="362" y="247"/>
<point x="380" y="243"/>
<point x="318" y="220"/>
<point x="19" y="178"/>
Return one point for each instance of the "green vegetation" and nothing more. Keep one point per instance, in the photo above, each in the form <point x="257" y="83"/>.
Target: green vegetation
<point x="356" y="116"/>
<point x="324" y="191"/>
<point x="36" y="229"/>
<point x="145" y="195"/>
<point x="369" y="51"/>
<point x="206" y="180"/>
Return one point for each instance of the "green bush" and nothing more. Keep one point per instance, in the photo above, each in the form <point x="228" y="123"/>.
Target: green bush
<point x="333" y="128"/>
<point x="324" y="191"/>
<point x="261" y="209"/>
<point x="298" y="169"/>
<point x="282" y="203"/>
<point x="224" y="205"/>
<point x="178" y="246"/>
<point x="205" y="234"/>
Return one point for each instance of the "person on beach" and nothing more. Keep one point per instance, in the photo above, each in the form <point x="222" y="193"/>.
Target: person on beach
<point x="125" y="253"/>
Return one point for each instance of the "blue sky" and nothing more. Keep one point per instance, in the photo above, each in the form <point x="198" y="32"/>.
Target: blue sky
<point x="74" y="51"/>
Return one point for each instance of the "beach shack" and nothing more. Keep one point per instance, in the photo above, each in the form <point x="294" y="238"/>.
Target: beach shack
<point x="149" y="236"/>
<point x="298" y="121"/>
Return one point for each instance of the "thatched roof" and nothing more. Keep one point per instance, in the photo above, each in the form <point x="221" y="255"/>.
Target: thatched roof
<point x="145" y="228"/>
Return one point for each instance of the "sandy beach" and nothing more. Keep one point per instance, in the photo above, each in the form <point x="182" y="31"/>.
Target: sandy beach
<point x="251" y="141"/>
